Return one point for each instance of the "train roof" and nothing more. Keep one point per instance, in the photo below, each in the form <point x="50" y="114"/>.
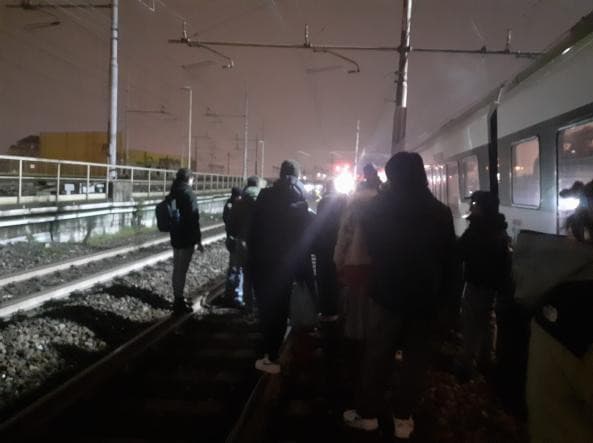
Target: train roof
<point x="578" y="32"/>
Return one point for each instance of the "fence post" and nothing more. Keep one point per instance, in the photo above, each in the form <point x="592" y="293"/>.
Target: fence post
<point x="20" y="194"/>
<point x="164" y="182"/>
<point x="88" y="180"/>
<point x="132" y="181"/>
<point x="106" y="182"/>
<point x="58" y="182"/>
<point x="149" y="171"/>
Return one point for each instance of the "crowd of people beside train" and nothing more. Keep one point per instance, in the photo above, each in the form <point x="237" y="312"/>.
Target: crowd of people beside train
<point x="385" y="264"/>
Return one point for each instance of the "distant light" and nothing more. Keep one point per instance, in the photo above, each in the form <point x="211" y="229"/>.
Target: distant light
<point x="309" y="187"/>
<point x="567" y="50"/>
<point x="304" y="177"/>
<point x="344" y="183"/>
<point x="382" y="175"/>
<point x="568" y="203"/>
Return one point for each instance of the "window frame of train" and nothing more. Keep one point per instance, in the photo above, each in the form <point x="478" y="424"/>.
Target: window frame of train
<point x="464" y="193"/>
<point x="513" y="150"/>
<point x="562" y="213"/>
<point x="454" y="206"/>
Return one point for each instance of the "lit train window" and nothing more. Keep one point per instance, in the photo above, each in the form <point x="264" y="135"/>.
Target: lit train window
<point x="526" y="186"/>
<point x="453" y="187"/>
<point x="575" y="163"/>
<point x="470" y="176"/>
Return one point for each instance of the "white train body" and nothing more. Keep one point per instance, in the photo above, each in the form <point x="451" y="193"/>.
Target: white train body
<point x="544" y="120"/>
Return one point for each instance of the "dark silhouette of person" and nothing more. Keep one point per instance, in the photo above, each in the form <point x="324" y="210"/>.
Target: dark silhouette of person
<point x="416" y="278"/>
<point x="279" y="254"/>
<point x="185" y="236"/>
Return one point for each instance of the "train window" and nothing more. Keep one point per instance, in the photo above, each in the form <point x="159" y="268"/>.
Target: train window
<point x="453" y="187"/>
<point x="526" y="187"/>
<point x="470" y="176"/>
<point x="575" y="162"/>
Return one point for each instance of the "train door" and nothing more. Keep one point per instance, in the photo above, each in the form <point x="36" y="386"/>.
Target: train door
<point x="575" y="163"/>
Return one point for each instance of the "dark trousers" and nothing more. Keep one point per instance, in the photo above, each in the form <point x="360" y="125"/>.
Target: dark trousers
<point x="272" y="295"/>
<point x="181" y="260"/>
<point x="248" y="292"/>
<point x="234" y="279"/>
<point x="389" y="332"/>
<point x="327" y="283"/>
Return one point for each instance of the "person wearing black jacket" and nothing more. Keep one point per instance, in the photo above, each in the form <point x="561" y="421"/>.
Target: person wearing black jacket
<point x="241" y="220"/>
<point x="185" y="236"/>
<point x="233" y="294"/>
<point x="415" y="281"/>
<point x="327" y="223"/>
<point x="278" y="255"/>
<point x="485" y="249"/>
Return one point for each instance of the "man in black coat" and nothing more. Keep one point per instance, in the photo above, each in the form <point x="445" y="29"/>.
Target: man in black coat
<point x="233" y="294"/>
<point x="416" y="278"/>
<point x="185" y="236"/>
<point x="327" y="223"/>
<point x="278" y="256"/>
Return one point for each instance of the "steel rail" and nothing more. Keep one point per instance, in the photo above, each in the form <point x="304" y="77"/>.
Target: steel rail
<point x="80" y="261"/>
<point x="37" y="299"/>
<point x="40" y="412"/>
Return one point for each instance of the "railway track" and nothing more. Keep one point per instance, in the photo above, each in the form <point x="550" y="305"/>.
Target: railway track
<point x="182" y="379"/>
<point x="98" y="274"/>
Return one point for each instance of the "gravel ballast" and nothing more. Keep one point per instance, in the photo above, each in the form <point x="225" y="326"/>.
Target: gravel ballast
<point x="41" y="348"/>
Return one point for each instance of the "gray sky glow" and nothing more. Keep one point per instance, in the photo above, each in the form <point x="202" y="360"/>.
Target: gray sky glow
<point x="55" y="78"/>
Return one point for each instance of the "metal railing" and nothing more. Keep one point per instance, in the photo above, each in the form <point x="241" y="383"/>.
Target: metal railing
<point x="39" y="180"/>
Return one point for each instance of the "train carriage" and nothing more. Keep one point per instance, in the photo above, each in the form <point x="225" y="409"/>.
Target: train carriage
<point x="536" y="131"/>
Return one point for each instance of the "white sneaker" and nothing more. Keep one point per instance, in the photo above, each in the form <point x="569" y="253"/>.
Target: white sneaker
<point x="268" y="366"/>
<point x="352" y="419"/>
<point x="403" y="428"/>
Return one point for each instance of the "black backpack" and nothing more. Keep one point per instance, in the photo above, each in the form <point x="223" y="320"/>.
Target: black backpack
<point x="167" y="215"/>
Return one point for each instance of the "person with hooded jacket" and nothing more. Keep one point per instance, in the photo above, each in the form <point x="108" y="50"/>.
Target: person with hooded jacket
<point x="278" y="256"/>
<point x="415" y="280"/>
<point x="233" y="294"/>
<point x="185" y="236"/>
<point x="241" y="221"/>
<point x="485" y="249"/>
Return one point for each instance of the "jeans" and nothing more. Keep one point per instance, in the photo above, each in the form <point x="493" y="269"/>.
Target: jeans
<point x="479" y="325"/>
<point x="181" y="261"/>
<point x="234" y="279"/>
<point x="273" y="301"/>
<point x="327" y="281"/>
<point x="389" y="332"/>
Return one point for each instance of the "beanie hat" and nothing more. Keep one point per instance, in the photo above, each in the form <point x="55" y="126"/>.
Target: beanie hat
<point x="289" y="168"/>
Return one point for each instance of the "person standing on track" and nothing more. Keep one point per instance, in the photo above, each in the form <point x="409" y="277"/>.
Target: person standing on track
<point x="185" y="236"/>
<point x="241" y="221"/>
<point x="485" y="250"/>
<point x="415" y="277"/>
<point x="278" y="255"/>
<point x="233" y="294"/>
<point x="329" y="213"/>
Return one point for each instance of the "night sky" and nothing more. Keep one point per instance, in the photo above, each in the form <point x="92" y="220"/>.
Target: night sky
<point x="55" y="78"/>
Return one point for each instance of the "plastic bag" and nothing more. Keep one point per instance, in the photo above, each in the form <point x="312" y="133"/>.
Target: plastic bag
<point x="303" y="308"/>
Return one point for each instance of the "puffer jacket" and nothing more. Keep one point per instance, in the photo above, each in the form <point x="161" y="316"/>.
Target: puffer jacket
<point x="411" y="242"/>
<point x="188" y="232"/>
<point x="277" y="235"/>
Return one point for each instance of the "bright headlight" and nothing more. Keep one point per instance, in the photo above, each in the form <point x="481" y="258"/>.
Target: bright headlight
<point x="344" y="182"/>
<point x="568" y="203"/>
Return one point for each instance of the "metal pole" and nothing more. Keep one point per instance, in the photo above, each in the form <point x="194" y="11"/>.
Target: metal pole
<point x="401" y="94"/>
<point x="262" y="159"/>
<point x="189" y="131"/>
<point x="20" y="185"/>
<point x="356" y="148"/>
<point x="58" y="176"/>
<point x="256" y="149"/>
<point x="245" y="135"/>
<point x="113" y="81"/>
